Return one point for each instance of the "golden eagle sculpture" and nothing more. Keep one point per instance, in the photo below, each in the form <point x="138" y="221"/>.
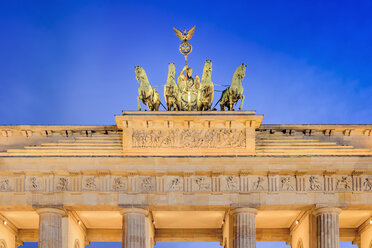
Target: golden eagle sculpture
<point x="185" y="47"/>
<point x="184" y="36"/>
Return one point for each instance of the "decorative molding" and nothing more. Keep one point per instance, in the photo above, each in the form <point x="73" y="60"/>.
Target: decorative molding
<point x="189" y="138"/>
<point x="133" y="182"/>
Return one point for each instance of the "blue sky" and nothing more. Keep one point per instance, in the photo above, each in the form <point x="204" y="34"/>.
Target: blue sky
<point x="72" y="62"/>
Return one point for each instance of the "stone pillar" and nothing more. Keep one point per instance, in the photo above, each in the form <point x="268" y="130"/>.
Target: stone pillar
<point x="50" y="227"/>
<point x="328" y="233"/>
<point x="244" y="224"/>
<point x="134" y="227"/>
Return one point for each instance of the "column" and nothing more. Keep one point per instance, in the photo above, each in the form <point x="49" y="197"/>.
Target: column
<point x="134" y="227"/>
<point x="50" y="227"/>
<point x="244" y="225"/>
<point x="328" y="233"/>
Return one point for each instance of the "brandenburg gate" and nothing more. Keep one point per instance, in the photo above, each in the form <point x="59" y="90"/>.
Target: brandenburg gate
<point x="192" y="174"/>
<point x="186" y="176"/>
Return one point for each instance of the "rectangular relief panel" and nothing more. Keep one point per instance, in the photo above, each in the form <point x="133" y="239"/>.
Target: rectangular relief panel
<point x="189" y="133"/>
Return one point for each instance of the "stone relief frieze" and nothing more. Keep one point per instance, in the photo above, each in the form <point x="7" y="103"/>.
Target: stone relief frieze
<point x="34" y="183"/>
<point x="89" y="183"/>
<point x="344" y="183"/>
<point x="119" y="183"/>
<point x="367" y="183"/>
<point x="258" y="183"/>
<point x="62" y="184"/>
<point x="189" y="138"/>
<point x="147" y="184"/>
<point x="5" y="184"/>
<point x="174" y="183"/>
<point x="287" y="183"/>
<point x="202" y="184"/>
<point x="315" y="183"/>
<point x="231" y="182"/>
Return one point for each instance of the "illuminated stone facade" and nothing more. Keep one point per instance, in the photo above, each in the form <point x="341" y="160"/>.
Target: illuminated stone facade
<point x="186" y="176"/>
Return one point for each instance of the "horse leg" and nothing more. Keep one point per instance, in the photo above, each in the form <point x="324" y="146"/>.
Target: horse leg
<point x="155" y="101"/>
<point x="210" y="102"/>
<point x="156" y="105"/>
<point x="138" y="101"/>
<point x="169" y="105"/>
<point x="231" y="102"/>
<point x="178" y="104"/>
<point x="241" y="103"/>
<point x="222" y="106"/>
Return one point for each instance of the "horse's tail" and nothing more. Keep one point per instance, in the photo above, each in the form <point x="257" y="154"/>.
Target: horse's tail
<point x="217" y="103"/>
<point x="223" y="92"/>
<point x="163" y="105"/>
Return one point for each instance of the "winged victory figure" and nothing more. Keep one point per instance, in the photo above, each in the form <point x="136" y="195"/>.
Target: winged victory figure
<point x="184" y="36"/>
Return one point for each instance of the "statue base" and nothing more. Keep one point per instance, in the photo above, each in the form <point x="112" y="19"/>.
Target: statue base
<point x="191" y="133"/>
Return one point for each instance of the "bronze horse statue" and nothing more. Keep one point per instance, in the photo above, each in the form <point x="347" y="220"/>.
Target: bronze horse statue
<point x="234" y="93"/>
<point x="146" y="93"/>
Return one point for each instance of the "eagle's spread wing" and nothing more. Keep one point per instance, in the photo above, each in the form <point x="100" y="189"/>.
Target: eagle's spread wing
<point x="178" y="33"/>
<point x="190" y="33"/>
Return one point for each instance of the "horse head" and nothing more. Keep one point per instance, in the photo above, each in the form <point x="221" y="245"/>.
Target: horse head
<point x="140" y="74"/>
<point x="207" y="70"/>
<point x="171" y="70"/>
<point x="240" y="71"/>
<point x="208" y="66"/>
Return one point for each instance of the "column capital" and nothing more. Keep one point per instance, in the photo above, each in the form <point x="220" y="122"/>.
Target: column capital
<point x="327" y="210"/>
<point x="143" y="211"/>
<point x="244" y="210"/>
<point x="58" y="211"/>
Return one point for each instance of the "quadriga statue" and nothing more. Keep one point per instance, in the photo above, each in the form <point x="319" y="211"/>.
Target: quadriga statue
<point x="146" y="93"/>
<point x="206" y="91"/>
<point x="171" y="91"/>
<point x="234" y="93"/>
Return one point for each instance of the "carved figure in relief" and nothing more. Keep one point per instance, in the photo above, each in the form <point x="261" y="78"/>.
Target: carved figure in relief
<point x="314" y="183"/>
<point x="367" y="184"/>
<point x="232" y="182"/>
<point x="343" y="183"/>
<point x="189" y="138"/>
<point x="90" y="183"/>
<point x="258" y="184"/>
<point x="119" y="183"/>
<point x="202" y="183"/>
<point x="4" y="184"/>
<point x="175" y="184"/>
<point x="147" y="184"/>
<point x="286" y="183"/>
<point x="35" y="185"/>
<point x="234" y="93"/>
<point x="171" y="90"/>
<point x="206" y="91"/>
<point x="146" y="93"/>
<point x="62" y="184"/>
